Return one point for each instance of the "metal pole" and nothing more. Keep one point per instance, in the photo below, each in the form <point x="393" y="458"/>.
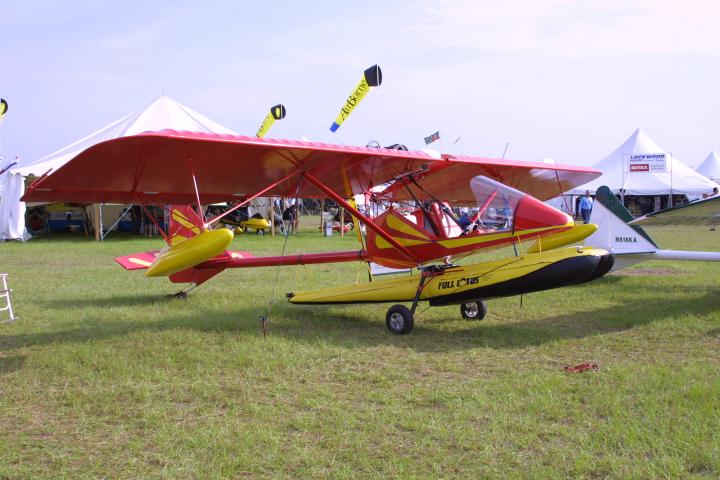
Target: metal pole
<point x="272" y="216"/>
<point x="342" y="222"/>
<point x="96" y="220"/>
<point x="671" y="180"/>
<point x="322" y="217"/>
<point x="296" y="220"/>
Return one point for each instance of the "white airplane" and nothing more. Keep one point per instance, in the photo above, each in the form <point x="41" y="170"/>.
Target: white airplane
<point x="618" y="232"/>
<point x="700" y="212"/>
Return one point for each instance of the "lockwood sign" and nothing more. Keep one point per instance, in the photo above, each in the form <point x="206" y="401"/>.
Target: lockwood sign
<point x="646" y="162"/>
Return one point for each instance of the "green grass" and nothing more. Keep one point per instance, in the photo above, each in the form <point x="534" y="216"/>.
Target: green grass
<point x="103" y="376"/>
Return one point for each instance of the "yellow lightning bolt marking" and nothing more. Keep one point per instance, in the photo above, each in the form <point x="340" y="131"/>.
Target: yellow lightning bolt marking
<point x="139" y="261"/>
<point x="402" y="227"/>
<point x="183" y="220"/>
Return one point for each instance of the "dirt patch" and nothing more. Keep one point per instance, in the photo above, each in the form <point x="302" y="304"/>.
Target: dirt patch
<point x="647" y="271"/>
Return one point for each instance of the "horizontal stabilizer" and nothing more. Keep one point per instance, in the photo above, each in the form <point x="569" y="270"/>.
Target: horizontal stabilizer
<point x="137" y="261"/>
<point x="630" y="243"/>
<point x="140" y="261"/>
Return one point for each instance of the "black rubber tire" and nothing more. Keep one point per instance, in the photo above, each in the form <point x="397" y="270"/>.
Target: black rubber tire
<point x="475" y="310"/>
<point x="260" y="232"/>
<point x="399" y="320"/>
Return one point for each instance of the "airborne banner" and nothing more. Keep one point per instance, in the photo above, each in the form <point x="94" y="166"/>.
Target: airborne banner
<point x="276" y="113"/>
<point x="3" y="108"/>
<point x="372" y="77"/>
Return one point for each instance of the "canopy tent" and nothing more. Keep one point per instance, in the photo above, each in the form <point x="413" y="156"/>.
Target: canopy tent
<point x="163" y="113"/>
<point x="12" y="210"/>
<point x="711" y="167"/>
<point x="160" y="114"/>
<point x="678" y="177"/>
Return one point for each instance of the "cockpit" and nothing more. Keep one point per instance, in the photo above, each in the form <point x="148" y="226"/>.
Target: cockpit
<point x="493" y="212"/>
<point x="496" y="205"/>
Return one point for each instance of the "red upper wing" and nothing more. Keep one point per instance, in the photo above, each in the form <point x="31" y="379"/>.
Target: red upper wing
<point x="159" y="165"/>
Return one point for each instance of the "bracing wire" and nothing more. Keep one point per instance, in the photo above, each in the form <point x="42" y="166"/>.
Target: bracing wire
<point x="562" y="194"/>
<point x="273" y="291"/>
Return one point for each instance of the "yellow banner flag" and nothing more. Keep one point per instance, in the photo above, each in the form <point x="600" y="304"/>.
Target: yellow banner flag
<point x="276" y="113"/>
<point x="3" y="108"/>
<point x="372" y="77"/>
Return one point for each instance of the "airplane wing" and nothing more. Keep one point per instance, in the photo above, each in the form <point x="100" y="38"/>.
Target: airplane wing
<point x="159" y="167"/>
<point x="701" y="212"/>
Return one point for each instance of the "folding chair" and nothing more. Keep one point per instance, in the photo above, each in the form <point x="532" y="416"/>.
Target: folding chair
<point x="5" y="293"/>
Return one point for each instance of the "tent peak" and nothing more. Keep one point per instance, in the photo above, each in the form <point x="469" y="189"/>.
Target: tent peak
<point x="678" y="178"/>
<point x="710" y="167"/>
<point x="160" y="114"/>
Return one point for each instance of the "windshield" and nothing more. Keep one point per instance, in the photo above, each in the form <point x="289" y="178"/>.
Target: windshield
<point x="496" y="203"/>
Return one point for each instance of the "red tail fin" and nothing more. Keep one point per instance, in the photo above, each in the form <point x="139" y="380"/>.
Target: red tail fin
<point x="184" y="223"/>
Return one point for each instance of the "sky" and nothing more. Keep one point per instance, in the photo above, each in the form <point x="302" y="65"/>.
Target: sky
<point x="562" y="79"/>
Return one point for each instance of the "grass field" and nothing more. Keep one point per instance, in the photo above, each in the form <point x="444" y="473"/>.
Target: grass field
<point x="103" y="376"/>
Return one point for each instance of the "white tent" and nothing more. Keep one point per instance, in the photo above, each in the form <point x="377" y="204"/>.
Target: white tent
<point x="12" y="210"/>
<point x="161" y="114"/>
<point x="158" y="115"/>
<point x="678" y="177"/>
<point x="711" y="167"/>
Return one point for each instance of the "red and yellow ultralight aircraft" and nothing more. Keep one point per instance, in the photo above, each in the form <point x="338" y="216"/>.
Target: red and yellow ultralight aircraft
<point x="187" y="168"/>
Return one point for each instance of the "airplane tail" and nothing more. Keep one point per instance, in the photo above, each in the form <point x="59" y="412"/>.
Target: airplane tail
<point x="631" y="244"/>
<point x="184" y="223"/>
<point x="189" y="245"/>
<point x="613" y="233"/>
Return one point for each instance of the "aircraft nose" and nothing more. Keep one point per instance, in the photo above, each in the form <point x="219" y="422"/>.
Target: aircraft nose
<point x="532" y="213"/>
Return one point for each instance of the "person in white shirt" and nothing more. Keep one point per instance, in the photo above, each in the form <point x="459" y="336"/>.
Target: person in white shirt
<point x="585" y="206"/>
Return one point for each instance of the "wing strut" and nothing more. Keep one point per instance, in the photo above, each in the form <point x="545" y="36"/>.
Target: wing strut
<point x="562" y="194"/>
<point x="197" y="195"/>
<point x="251" y="198"/>
<point x="368" y="222"/>
<point x="154" y="221"/>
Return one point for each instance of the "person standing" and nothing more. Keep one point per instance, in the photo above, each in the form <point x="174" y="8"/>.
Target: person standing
<point x="289" y="217"/>
<point x="585" y="206"/>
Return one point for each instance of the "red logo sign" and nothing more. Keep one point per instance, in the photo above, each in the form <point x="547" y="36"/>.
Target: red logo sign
<point x="640" y="167"/>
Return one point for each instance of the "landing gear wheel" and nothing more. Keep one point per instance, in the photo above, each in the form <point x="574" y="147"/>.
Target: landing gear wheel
<point x="475" y="310"/>
<point x="399" y="320"/>
<point x="260" y="232"/>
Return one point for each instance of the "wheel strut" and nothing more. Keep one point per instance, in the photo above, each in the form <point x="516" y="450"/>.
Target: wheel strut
<point x="399" y="319"/>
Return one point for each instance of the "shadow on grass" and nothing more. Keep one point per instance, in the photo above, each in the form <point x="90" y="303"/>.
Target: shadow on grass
<point x="129" y="300"/>
<point x="333" y="325"/>
<point x="10" y="363"/>
<point x="715" y="332"/>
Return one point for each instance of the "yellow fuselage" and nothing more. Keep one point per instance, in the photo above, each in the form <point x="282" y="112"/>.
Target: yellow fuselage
<point x="511" y="276"/>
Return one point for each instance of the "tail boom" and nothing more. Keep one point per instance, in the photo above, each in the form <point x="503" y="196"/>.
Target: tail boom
<point x="300" y="259"/>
